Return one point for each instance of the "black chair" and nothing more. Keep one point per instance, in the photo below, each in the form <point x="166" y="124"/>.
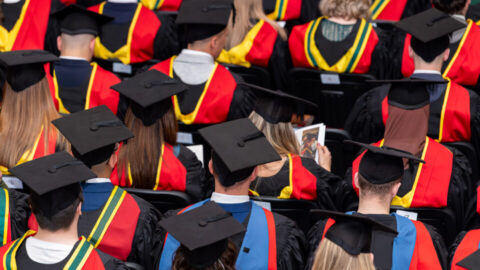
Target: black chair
<point x="134" y="266"/>
<point x="162" y="200"/>
<point x="335" y="94"/>
<point x="342" y="154"/>
<point x="254" y="75"/>
<point x="296" y="210"/>
<point x="467" y="149"/>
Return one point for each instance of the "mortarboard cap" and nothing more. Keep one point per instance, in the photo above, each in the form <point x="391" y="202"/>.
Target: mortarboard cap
<point x="150" y="94"/>
<point x="238" y="148"/>
<point x="277" y="106"/>
<point x="353" y="233"/>
<point x="381" y="165"/>
<point x="204" y="231"/>
<point x="54" y="181"/>
<point x="429" y="30"/>
<point x="75" y="20"/>
<point x="93" y="133"/>
<point x="472" y="261"/>
<point x="25" y="67"/>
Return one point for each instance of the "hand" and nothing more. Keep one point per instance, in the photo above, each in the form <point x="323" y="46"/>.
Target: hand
<point x="324" y="157"/>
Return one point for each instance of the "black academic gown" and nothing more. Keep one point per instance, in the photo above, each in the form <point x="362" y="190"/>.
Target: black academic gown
<point x="19" y="213"/>
<point x="198" y="185"/>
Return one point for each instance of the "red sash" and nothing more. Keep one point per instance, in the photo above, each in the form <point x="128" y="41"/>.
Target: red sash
<point x="391" y="10"/>
<point x="303" y="184"/>
<point x="214" y="103"/>
<point x="286" y="10"/>
<point x="164" y="5"/>
<point x="468" y="245"/>
<point x="40" y="150"/>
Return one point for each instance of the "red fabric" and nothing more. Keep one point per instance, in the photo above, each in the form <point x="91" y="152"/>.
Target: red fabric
<point x="272" y="241"/>
<point x="365" y="61"/>
<point x="171" y="5"/>
<point x="94" y="262"/>
<point x="68" y="2"/>
<point x="95" y="8"/>
<point x="263" y="46"/>
<point x="296" y="44"/>
<point x="101" y="93"/>
<point x="478" y="200"/>
<point x="329" y="224"/>
<point x="384" y="110"/>
<point x="424" y="256"/>
<point x="146" y="29"/>
<point x="164" y="66"/>
<point x="456" y="125"/>
<point x="304" y="183"/>
<point x="393" y="11"/>
<point x="52" y="142"/>
<point x="355" y="166"/>
<point x="407" y="62"/>
<point x="468" y="245"/>
<point x="294" y="10"/>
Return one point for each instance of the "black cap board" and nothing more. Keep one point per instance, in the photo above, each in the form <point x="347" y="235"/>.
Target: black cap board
<point x="381" y="165"/>
<point x="25" y="67"/>
<point x="54" y="180"/>
<point x="277" y="106"/>
<point x="150" y="94"/>
<point x="75" y="20"/>
<point x="352" y="232"/>
<point x="204" y="231"/>
<point x="93" y="133"/>
<point x="238" y="148"/>
<point x="472" y="261"/>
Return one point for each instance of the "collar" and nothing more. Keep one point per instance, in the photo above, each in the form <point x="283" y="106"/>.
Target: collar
<point x="73" y="58"/>
<point x="11" y="1"/>
<point x="98" y="180"/>
<point x="123" y="1"/>
<point x="459" y="17"/>
<point x="426" y="71"/>
<point x="191" y="56"/>
<point x="229" y="199"/>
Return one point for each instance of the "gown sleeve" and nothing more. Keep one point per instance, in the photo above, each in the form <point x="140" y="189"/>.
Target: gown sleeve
<point x="439" y="245"/>
<point x="314" y="238"/>
<point x="475" y="122"/>
<point x="291" y="244"/>
<point x="381" y="67"/>
<point x="21" y="212"/>
<point x="454" y="246"/>
<point x="243" y="101"/>
<point x="53" y="29"/>
<point x="197" y="183"/>
<point x="166" y="41"/>
<point x="278" y="64"/>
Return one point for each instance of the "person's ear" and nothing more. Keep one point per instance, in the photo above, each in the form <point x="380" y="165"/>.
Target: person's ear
<point x="355" y="179"/>
<point x="91" y="45"/>
<point x="210" y="167"/>
<point x="59" y="43"/>
<point x="79" y="209"/>
<point x="395" y="189"/>
<point x="411" y="53"/>
<point x="112" y="161"/>
<point x="446" y="53"/>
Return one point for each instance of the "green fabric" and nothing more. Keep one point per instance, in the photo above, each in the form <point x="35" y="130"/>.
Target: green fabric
<point x="335" y="31"/>
<point x="474" y="2"/>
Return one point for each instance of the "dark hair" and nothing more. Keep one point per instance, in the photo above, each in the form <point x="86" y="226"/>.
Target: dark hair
<point x="373" y="189"/>
<point x="61" y="220"/>
<point x="227" y="259"/>
<point x="449" y="6"/>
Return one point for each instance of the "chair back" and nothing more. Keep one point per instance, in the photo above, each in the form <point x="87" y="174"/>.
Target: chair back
<point x="162" y="200"/>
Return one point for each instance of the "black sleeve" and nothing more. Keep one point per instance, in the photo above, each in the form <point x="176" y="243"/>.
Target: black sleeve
<point x="395" y="47"/>
<point x="345" y="195"/>
<point x="381" y="65"/>
<point x="475" y="123"/>
<point x="20" y="212"/>
<point x="291" y="244"/>
<point x="314" y="237"/>
<point x="278" y="64"/>
<point x="53" y="29"/>
<point x="415" y="6"/>
<point x="197" y="184"/>
<point x="453" y="247"/>
<point x="166" y="41"/>
<point x="439" y="245"/>
<point x="111" y="263"/>
<point x="243" y="101"/>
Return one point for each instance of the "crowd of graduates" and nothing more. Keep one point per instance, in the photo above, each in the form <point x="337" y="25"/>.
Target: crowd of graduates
<point x="101" y="99"/>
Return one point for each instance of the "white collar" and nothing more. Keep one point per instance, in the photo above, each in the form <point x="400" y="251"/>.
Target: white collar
<point x="122" y="1"/>
<point x="188" y="54"/>
<point x="11" y="1"/>
<point x="73" y="58"/>
<point x="229" y="199"/>
<point x="98" y="180"/>
<point x="426" y="71"/>
<point x="459" y="17"/>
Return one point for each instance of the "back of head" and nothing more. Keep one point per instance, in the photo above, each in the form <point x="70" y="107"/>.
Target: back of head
<point x="346" y="9"/>
<point x="225" y="262"/>
<point x="450" y="6"/>
<point x="78" y="42"/>
<point x="331" y="256"/>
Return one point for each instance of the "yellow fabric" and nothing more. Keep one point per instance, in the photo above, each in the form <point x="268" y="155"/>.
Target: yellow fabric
<point x="27" y="156"/>
<point x="152" y="4"/>
<point x="286" y="192"/>
<point x="5" y="221"/>
<point x="237" y="55"/>
<point x="13" y="263"/>
<point x="459" y="48"/>
<point x="7" y="39"/>
<point x="377" y="7"/>
<point x="75" y="254"/>
<point x="444" y="107"/>
<point x="280" y="11"/>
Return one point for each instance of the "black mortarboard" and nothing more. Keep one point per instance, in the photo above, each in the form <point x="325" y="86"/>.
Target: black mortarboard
<point x="277" y="106"/>
<point x="150" y="94"/>
<point x="238" y="148"/>
<point x="25" y="67"/>
<point x="93" y="133"/>
<point x="381" y="165"/>
<point x="429" y="30"/>
<point x="75" y="20"/>
<point x="54" y="181"/>
<point x="353" y="233"/>
<point x="204" y="232"/>
<point x="472" y="261"/>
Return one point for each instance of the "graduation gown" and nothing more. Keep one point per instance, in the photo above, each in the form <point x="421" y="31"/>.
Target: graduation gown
<point x="299" y="178"/>
<point x="272" y="241"/>
<point x="77" y="85"/>
<point x="398" y="9"/>
<point x="263" y="47"/>
<point x="417" y="245"/>
<point x="180" y="170"/>
<point x="83" y="256"/>
<point x="221" y="98"/>
<point x="465" y="244"/>
<point x="165" y="5"/>
<point x="14" y="213"/>
<point x="295" y="12"/>
<point x="136" y="35"/>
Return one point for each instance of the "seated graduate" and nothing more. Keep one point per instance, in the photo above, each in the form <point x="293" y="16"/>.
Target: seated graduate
<point x="398" y="9"/>
<point x="462" y="65"/>
<point x="453" y="109"/>
<point x="136" y="34"/>
<point x="342" y="40"/>
<point x="27" y="110"/>
<point x="293" y="11"/>
<point x="153" y="160"/>
<point x="214" y="93"/>
<point x="417" y="246"/>
<point x="348" y="242"/>
<point x="78" y="84"/>
<point x="127" y="233"/>
<point x="271" y="240"/>
<point x="56" y="201"/>
<point x="257" y="40"/>
<point x="205" y="236"/>
<point x="292" y="177"/>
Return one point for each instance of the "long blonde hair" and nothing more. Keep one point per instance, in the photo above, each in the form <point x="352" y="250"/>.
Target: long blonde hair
<point x="281" y="135"/>
<point x="246" y="10"/>
<point x="330" y="256"/>
<point x="22" y="116"/>
<point x="347" y="9"/>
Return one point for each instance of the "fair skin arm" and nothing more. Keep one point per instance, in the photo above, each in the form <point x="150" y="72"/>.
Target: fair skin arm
<point x="376" y="204"/>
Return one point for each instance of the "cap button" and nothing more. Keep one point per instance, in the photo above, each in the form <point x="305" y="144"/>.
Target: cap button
<point x="241" y="144"/>
<point x="147" y="85"/>
<point x="202" y="224"/>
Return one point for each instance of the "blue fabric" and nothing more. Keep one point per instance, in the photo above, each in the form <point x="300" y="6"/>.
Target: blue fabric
<point x="123" y="13"/>
<point x="176" y="150"/>
<point x="72" y="73"/>
<point x="435" y="90"/>
<point x="404" y="243"/>
<point x="239" y="211"/>
<point x="95" y="195"/>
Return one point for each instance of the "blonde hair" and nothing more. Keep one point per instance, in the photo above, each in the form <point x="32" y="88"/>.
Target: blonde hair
<point x="246" y="10"/>
<point x="347" y="9"/>
<point x="331" y="256"/>
<point x="22" y="117"/>
<point x="281" y="135"/>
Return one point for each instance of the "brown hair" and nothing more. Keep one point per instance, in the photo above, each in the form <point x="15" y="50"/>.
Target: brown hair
<point x="331" y="256"/>
<point x="22" y="117"/>
<point x="368" y="188"/>
<point x="227" y="260"/>
<point x="357" y="9"/>
<point x="450" y="6"/>
<point x="143" y="151"/>
<point x="246" y="10"/>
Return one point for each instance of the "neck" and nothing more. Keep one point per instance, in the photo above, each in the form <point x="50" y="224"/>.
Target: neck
<point x="435" y="65"/>
<point x="67" y="237"/>
<point x="74" y="53"/>
<point x="373" y="205"/>
<point x="341" y="20"/>
<point x="239" y="189"/>
<point x="200" y="48"/>
<point x="102" y="171"/>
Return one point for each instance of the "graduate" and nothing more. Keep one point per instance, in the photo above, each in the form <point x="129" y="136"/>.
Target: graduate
<point x="27" y="110"/>
<point x="128" y="232"/>
<point x="78" y="84"/>
<point x="453" y="109"/>
<point x="416" y="246"/>
<point x="56" y="201"/>
<point x="271" y="241"/>
<point x="396" y="10"/>
<point x="214" y="93"/>
<point x="153" y="160"/>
